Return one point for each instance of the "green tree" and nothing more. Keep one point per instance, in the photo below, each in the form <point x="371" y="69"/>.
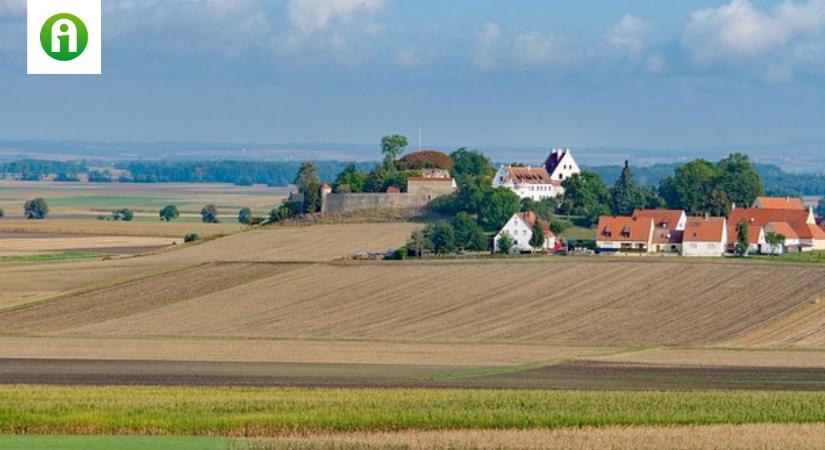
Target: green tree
<point x="36" y="209"/>
<point x="382" y="177"/>
<point x="736" y="177"/>
<point x="559" y="226"/>
<point x="690" y="187"/>
<point x="498" y="208"/>
<point x="469" y="163"/>
<point x="168" y="213"/>
<point x="245" y="216"/>
<point x="541" y="209"/>
<point x="418" y="244"/>
<point x="125" y="215"/>
<point x="742" y="238"/>
<point x="351" y="177"/>
<point x="442" y="237"/>
<point x="209" y="214"/>
<point x="585" y="194"/>
<point x="2" y="213"/>
<point x="309" y="185"/>
<point x="651" y="199"/>
<point x="537" y="239"/>
<point x="504" y="245"/>
<point x="775" y="240"/>
<point x="392" y="147"/>
<point x="625" y="197"/>
<point x="468" y="235"/>
<point x="281" y="213"/>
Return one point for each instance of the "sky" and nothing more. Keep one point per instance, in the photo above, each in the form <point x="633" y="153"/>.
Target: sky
<point x="575" y="73"/>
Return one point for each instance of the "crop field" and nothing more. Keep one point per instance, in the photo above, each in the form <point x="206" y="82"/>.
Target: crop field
<point x="137" y="228"/>
<point x="598" y="303"/>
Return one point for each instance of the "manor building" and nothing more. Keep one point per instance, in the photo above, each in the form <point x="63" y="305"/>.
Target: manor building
<point x="541" y="182"/>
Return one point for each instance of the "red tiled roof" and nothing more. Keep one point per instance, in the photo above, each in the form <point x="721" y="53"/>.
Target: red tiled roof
<point x="528" y="175"/>
<point x="665" y="221"/>
<point x="699" y="229"/>
<point x="530" y="218"/>
<point x="393" y="190"/>
<point x="809" y="231"/>
<point x="779" y="203"/>
<point x="619" y="229"/>
<point x="784" y="229"/>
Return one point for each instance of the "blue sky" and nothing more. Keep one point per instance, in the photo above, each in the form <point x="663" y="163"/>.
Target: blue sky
<point x="643" y="73"/>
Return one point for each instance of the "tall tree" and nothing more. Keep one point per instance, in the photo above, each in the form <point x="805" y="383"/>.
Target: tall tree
<point x="742" y="238"/>
<point x="625" y="197"/>
<point x="737" y="178"/>
<point x="309" y="185"/>
<point x="585" y="194"/>
<point x="209" y="214"/>
<point x="351" y="179"/>
<point x="442" y="237"/>
<point x="469" y="163"/>
<point x="537" y="239"/>
<point x="690" y="187"/>
<point x="392" y="147"/>
<point x="168" y="213"/>
<point x="498" y="208"/>
<point x="245" y="216"/>
<point x="505" y="243"/>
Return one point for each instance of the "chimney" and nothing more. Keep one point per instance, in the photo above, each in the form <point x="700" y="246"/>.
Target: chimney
<point x="733" y="206"/>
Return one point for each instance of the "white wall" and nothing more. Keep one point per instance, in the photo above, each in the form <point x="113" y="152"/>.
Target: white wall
<point x="521" y="234"/>
<point x="697" y="249"/>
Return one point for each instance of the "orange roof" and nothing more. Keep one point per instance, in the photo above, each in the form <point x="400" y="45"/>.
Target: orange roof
<point x="393" y="190"/>
<point x="764" y="216"/>
<point x="619" y="229"/>
<point x="529" y="175"/>
<point x="530" y="219"/>
<point x="779" y="203"/>
<point x="784" y="229"/>
<point x="665" y="221"/>
<point x="699" y="229"/>
<point x="754" y="233"/>
<point x="809" y="231"/>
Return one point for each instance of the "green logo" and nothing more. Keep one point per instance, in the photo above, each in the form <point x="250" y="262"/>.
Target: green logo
<point x="64" y="37"/>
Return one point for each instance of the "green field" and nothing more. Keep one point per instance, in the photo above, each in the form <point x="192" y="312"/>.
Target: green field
<point x="259" y="411"/>
<point x="113" y="442"/>
<point x="111" y="201"/>
<point x="48" y="257"/>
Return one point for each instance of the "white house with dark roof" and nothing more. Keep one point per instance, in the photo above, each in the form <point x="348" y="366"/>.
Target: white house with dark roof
<point x="538" y="183"/>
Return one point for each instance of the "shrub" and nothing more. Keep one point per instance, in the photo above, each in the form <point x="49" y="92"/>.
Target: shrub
<point x="2" y="213"/>
<point x="245" y="216"/>
<point x="191" y="237"/>
<point x="125" y="215"/>
<point x="427" y="159"/>
<point x="36" y="209"/>
<point x="168" y="213"/>
<point x="209" y="214"/>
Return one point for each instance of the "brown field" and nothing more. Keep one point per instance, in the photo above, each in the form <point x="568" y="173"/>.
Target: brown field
<point x="102" y="244"/>
<point x="582" y="303"/>
<point x="745" y="437"/>
<point x="104" y="228"/>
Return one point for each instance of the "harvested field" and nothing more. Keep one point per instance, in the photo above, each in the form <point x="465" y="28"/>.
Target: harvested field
<point x="288" y="351"/>
<point x="86" y="227"/>
<point x="299" y="243"/>
<point x="115" y="244"/>
<point x="703" y="437"/>
<point x="123" y="300"/>
<point x="568" y="302"/>
<point x="802" y="329"/>
<point x="706" y="357"/>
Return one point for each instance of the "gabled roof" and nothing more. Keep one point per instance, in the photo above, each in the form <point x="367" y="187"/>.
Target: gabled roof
<point x="809" y="231"/>
<point x="700" y="229"/>
<point x="556" y="157"/>
<point x="529" y="218"/>
<point x="622" y="228"/>
<point x="665" y="221"/>
<point x="764" y="216"/>
<point x="784" y="229"/>
<point x="778" y="203"/>
<point x="528" y="175"/>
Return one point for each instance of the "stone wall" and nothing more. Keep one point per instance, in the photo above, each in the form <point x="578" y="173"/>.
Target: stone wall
<point x="349" y="203"/>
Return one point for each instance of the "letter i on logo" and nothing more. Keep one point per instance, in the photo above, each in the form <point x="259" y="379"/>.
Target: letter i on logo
<point x="64" y="37"/>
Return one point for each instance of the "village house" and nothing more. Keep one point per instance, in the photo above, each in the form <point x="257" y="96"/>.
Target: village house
<point x="621" y="234"/>
<point x="705" y="236"/>
<point x="792" y="242"/>
<point x="800" y="220"/>
<point x="520" y="229"/>
<point x="538" y="183"/>
<point x="669" y="227"/>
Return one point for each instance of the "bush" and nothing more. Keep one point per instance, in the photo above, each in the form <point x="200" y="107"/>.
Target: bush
<point x="2" y="213"/>
<point x="427" y="159"/>
<point x="36" y="209"/>
<point x="256" y="220"/>
<point x="168" y="213"/>
<point x="191" y="237"/>
<point x="245" y="216"/>
<point x="124" y="215"/>
<point x="281" y="213"/>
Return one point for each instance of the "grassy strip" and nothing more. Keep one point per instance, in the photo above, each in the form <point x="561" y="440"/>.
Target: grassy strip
<point x="49" y="257"/>
<point x="114" y="442"/>
<point x="267" y="412"/>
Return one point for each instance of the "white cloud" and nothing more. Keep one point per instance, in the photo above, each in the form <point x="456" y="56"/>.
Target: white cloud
<point x="630" y="37"/>
<point x="309" y="16"/>
<point x="738" y="32"/>
<point x="486" y="46"/>
<point x="536" y="48"/>
<point x="12" y="7"/>
<point x="656" y="64"/>
<point x="412" y="58"/>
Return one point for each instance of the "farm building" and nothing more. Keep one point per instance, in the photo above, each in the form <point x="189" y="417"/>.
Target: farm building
<point x="802" y="221"/>
<point x="792" y="242"/>
<point x="705" y="236"/>
<point x="669" y="228"/>
<point x="520" y="228"/>
<point x="778" y="203"/>
<point x="538" y="183"/>
<point x="620" y="234"/>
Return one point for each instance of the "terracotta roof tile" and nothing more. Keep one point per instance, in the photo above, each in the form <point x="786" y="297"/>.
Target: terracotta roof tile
<point x="618" y="229"/>
<point x="529" y="175"/>
<point x="699" y="229"/>
<point x="784" y="229"/>
<point x="779" y="203"/>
